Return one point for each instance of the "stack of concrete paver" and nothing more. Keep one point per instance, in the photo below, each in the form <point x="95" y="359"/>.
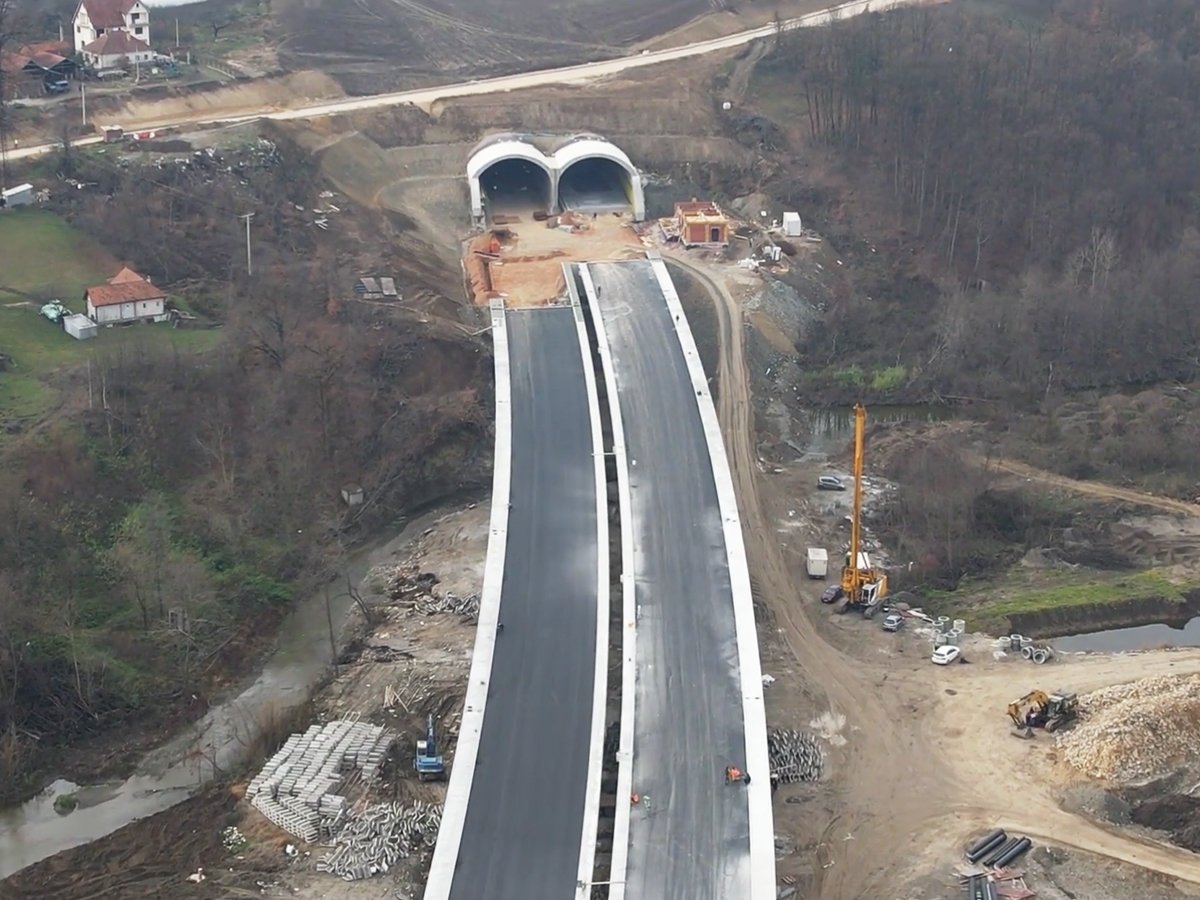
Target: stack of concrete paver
<point x="373" y="842"/>
<point x="794" y="755"/>
<point x="295" y="789"/>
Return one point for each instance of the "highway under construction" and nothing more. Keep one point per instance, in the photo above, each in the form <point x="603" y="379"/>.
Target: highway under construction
<point x="690" y="695"/>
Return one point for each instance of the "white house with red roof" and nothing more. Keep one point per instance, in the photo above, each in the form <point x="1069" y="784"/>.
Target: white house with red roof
<point x="125" y="22"/>
<point x="127" y="297"/>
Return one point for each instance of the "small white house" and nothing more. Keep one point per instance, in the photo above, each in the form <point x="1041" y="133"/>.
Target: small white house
<point x="21" y="195"/>
<point x="80" y="327"/>
<point x="791" y="224"/>
<point x="96" y="18"/>
<point x="117" y="50"/>
<point x="128" y="297"/>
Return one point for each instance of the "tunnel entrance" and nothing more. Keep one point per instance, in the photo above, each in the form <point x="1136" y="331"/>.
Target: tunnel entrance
<point x="595" y="184"/>
<point x="515" y="186"/>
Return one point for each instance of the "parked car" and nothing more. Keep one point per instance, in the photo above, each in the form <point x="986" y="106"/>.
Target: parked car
<point x="59" y="86"/>
<point x="832" y="594"/>
<point x="894" y="622"/>
<point x="945" y="654"/>
<point x="830" y="483"/>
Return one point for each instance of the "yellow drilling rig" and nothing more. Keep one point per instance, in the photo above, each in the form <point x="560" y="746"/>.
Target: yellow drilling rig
<point x="864" y="585"/>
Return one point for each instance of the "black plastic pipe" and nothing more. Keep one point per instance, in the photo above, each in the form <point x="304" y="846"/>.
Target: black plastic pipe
<point x="994" y="843"/>
<point x="989" y="859"/>
<point x="1015" y="853"/>
<point x="984" y="841"/>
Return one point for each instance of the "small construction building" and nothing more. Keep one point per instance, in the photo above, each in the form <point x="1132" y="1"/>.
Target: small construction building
<point x="352" y="494"/>
<point x="369" y="288"/>
<point x="701" y="222"/>
<point x="80" y="327"/>
<point x="792" y="226"/>
<point x="127" y="297"/>
<point x="21" y="195"/>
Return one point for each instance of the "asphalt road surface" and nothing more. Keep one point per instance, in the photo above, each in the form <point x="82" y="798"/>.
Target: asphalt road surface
<point x="524" y="823"/>
<point x="691" y="835"/>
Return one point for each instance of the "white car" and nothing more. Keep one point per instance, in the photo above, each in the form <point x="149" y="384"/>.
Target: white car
<point x="945" y="654"/>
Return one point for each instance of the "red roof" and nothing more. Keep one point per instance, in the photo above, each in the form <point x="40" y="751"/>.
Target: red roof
<point x="116" y="42"/>
<point x="107" y="13"/>
<point x="127" y="286"/>
<point x="126" y="276"/>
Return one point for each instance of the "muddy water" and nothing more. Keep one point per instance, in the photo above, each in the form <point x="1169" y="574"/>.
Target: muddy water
<point x="1141" y="637"/>
<point x="170" y="774"/>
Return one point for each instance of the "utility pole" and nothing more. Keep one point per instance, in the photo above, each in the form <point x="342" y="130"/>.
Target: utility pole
<point x="177" y="34"/>
<point x="83" y="101"/>
<point x="249" y="265"/>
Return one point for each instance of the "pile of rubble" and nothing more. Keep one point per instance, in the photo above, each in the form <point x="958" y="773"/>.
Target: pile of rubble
<point x="370" y="844"/>
<point x="794" y="755"/>
<point x="467" y="607"/>
<point x="295" y="789"/>
<point x="1135" y="731"/>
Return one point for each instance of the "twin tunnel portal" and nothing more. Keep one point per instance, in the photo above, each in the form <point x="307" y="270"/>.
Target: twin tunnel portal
<point x="513" y="173"/>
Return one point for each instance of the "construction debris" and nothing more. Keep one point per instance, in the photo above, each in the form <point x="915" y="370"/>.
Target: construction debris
<point x="1135" y="731"/>
<point x="295" y="789"/>
<point x="794" y="755"/>
<point x="370" y="844"/>
<point x="467" y="607"/>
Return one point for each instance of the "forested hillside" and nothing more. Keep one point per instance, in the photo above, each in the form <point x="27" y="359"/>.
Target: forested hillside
<point x="1037" y="161"/>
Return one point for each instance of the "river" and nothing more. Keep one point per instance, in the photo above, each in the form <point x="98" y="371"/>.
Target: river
<point x="1139" y="637"/>
<point x="171" y="773"/>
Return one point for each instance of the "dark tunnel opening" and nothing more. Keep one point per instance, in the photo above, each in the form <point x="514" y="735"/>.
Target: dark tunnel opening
<point x="595" y="184"/>
<point x="515" y="185"/>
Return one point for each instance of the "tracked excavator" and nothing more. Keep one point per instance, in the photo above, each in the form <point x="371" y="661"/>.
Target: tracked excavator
<point x="863" y="585"/>
<point x="1037" y="709"/>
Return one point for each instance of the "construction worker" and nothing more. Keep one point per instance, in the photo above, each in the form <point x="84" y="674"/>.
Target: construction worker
<point x="732" y="774"/>
<point x="774" y="782"/>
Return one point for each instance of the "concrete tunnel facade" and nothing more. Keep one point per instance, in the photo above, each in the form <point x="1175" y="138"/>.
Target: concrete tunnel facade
<point x="577" y="151"/>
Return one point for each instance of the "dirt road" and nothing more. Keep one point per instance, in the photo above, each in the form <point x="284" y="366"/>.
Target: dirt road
<point x="1089" y="488"/>
<point x="580" y="74"/>
<point x="915" y="763"/>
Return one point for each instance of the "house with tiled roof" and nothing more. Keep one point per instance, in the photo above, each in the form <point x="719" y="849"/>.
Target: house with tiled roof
<point x="96" y="18"/>
<point x="116" y="50"/>
<point x="126" y="297"/>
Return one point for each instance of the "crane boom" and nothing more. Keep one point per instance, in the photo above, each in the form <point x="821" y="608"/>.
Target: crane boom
<point x="863" y="585"/>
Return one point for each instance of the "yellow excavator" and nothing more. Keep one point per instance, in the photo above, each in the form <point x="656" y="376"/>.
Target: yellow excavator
<point x="1037" y="709"/>
<point x="863" y="585"/>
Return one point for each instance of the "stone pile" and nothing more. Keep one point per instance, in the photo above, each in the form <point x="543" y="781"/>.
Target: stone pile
<point x="295" y="789"/>
<point x="430" y="605"/>
<point x="795" y="755"/>
<point x="370" y="844"/>
<point x="1130" y="732"/>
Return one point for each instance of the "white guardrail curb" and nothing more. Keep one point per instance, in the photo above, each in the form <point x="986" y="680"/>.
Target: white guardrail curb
<point x="458" y="793"/>
<point x="591" y="803"/>
<point x="620" y="841"/>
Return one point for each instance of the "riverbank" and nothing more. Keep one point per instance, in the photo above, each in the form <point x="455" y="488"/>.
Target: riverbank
<point x="221" y="741"/>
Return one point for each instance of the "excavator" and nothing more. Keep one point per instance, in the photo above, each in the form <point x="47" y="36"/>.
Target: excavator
<point x="1037" y="709"/>
<point x="864" y="585"/>
<point x="428" y="762"/>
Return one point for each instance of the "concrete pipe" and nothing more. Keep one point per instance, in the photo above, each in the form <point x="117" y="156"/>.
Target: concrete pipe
<point x="1040" y="656"/>
<point x="1014" y="853"/>
<point x="989" y="859"/>
<point x="1026" y="653"/>
<point x="1014" y="641"/>
<point x="986" y="844"/>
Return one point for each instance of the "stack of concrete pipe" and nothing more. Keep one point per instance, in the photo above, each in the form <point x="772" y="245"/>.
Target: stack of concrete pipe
<point x="467" y="607"/>
<point x="794" y="755"/>
<point x="372" y="843"/>
<point x="997" y="850"/>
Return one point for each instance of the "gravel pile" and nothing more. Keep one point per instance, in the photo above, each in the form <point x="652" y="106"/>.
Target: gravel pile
<point x="370" y="844"/>
<point x="1131" y="732"/>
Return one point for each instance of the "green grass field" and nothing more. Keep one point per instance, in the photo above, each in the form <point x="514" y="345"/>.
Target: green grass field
<point x="44" y="258"/>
